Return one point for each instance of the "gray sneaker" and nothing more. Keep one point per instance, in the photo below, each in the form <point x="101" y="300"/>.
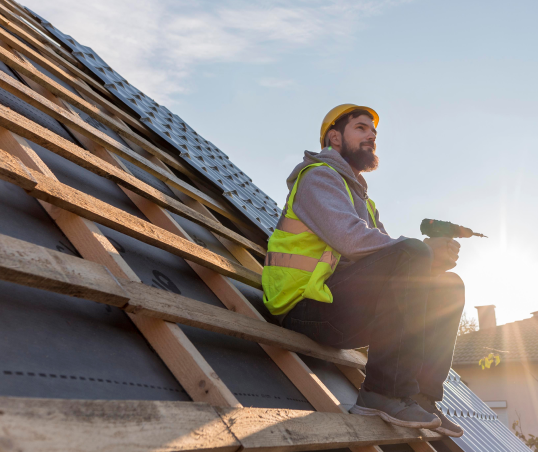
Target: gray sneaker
<point x="404" y="412"/>
<point x="447" y="427"/>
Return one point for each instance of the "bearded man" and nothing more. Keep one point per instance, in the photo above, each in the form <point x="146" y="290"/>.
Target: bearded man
<point x="333" y="273"/>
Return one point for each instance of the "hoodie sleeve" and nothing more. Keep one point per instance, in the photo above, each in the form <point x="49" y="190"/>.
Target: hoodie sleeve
<point x="380" y="225"/>
<point x="322" y="203"/>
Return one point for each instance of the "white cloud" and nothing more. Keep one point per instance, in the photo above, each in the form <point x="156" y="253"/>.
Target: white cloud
<point x="275" y="83"/>
<point x="159" y="45"/>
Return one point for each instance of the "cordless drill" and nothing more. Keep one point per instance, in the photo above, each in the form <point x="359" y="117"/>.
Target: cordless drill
<point x="437" y="228"/>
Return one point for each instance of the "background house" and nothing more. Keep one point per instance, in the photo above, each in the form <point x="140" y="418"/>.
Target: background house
<point x="510" y="388"/>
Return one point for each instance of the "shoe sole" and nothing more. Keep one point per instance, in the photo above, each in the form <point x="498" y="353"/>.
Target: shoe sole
<point x="446" y="432"/>
<point x="392" y="420"/>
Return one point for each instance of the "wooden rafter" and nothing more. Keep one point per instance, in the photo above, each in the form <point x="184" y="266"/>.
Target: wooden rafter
<point x="35" y="266"/>
<point x="42" y="136"/>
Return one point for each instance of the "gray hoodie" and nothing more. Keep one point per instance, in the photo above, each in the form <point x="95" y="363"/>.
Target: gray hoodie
<point x="322" y="203"/>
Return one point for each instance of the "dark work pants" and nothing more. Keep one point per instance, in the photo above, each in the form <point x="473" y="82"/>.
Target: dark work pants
<point x="389" y="302"/>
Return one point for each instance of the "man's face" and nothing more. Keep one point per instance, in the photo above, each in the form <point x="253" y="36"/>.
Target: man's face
<point x="358" y="144"/>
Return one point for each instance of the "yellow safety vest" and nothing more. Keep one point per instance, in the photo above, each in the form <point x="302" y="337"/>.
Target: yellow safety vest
<point x="298" y="262"/>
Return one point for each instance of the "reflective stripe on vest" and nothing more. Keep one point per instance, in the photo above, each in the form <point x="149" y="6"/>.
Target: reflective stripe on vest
<point x="292" y="226"/>
<point x="299" y="262"/>
<point x="304" y="262"/>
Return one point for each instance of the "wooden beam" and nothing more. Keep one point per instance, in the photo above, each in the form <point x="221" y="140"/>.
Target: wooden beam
<point x="63" y="425"/>
<point x="38" y="134"/>
<point x="176" y="308"/>
<point x="11" y="22"/>
<point x="44" y="137"/>
<point x="29" y="71"/>
<point x="265" y="430"/>
<point x="189" y="367"/>
<point x="21" y="11"/>
<point x="116" y="425"/>
<point x="69" y="79"/>
<point x="36" y="266"/>
<point x="93" y="209"/>
<point x="238" y="250"/>
<point x="12" y="170"/>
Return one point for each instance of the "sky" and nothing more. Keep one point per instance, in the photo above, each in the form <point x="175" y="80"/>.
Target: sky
<point x="454" y="84"/>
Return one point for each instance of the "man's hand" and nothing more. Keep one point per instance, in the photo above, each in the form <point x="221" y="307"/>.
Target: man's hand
<point x="445" y="253"/>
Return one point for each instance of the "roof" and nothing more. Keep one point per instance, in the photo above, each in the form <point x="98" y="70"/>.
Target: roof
<point x="516" y="341"/>
<point x="483" y="430"/>
<point x="195" y="150"/>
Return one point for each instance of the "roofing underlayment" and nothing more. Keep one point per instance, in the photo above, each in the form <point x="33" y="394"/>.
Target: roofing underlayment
<point x="121" y="207"/>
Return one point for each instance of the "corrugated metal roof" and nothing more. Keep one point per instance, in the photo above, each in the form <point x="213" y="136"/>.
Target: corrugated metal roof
<point x="200" y="153"/>
<point x="483" y="430"/>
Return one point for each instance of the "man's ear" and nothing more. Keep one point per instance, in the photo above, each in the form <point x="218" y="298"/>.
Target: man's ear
<point x="335" y="137"/>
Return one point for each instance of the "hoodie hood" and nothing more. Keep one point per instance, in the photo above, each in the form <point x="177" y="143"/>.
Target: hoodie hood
<point x="335" y="160"/>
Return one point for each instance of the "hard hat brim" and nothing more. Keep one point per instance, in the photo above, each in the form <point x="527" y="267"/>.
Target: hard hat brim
<point x="337" y="112"/>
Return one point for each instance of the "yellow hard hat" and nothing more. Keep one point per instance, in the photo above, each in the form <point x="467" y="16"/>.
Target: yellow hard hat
<point x="336" y="113"/>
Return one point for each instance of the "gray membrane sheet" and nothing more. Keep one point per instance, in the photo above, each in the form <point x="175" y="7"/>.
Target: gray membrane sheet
<point x="62" y="347"/>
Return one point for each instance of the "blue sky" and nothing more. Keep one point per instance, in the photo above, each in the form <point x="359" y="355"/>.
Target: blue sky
<point x="454" y="84"/>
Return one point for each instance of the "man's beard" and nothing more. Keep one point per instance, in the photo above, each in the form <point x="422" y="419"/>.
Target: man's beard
<point x="362" y="159"/>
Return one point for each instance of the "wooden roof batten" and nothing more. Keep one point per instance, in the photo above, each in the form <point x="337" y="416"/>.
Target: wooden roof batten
<point x="219" y="422"/>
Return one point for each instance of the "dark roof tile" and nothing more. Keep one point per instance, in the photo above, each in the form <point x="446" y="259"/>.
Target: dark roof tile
<point x="517" y="341"/>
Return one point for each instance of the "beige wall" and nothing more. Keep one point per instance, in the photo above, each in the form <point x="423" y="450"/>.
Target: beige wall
<point x="515" y="383"/>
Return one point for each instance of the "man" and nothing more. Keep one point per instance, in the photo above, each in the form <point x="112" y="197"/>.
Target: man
<point x="334" y="274"/>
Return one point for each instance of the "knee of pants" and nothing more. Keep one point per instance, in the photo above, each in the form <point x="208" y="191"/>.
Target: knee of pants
<point x="418" y="249"/>
<point x="453" y="282"/>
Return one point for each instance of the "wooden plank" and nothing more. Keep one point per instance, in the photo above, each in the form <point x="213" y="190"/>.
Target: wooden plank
<point x="20" y="10"/>
<point x="40" y="135"/>
<point x="451" y="445"/>
<point x="36" y="266"/>
<point x="93" y="209"/>
<point x="113" y="123"/>
<point x="290" y="363"/>
<point x="46" y="425"/>
<point x="29" y="71"/>
<point x="351" y="373"/>
<point x="238" y="250"/>
<point x="171" y="344"/>
<point x="261" y="430"/>
<point x="12" y="170"/>
<point x="11" y="22"/>
<point x="168" y="306"/>
<point x="34" y="132"/>
<point x="71" y="80"/>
